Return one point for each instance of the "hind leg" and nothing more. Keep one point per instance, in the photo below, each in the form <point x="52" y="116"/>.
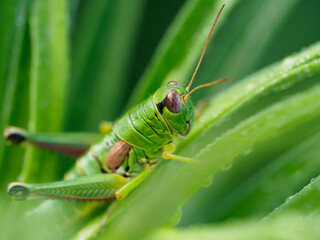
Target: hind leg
<point x="74" y="144"/>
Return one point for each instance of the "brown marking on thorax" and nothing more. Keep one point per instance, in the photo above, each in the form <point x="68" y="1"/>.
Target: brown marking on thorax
<point x="117" y="154"/>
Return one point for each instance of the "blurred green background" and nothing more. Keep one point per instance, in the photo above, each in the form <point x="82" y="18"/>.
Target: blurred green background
<point x="68" y="65"/>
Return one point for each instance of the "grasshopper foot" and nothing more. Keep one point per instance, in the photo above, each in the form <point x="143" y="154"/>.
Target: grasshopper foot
<point x="14" y="135"/>
<point x="18" y="191"/>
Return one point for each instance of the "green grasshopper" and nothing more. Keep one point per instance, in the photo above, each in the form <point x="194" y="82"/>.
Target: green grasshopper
<point x="130" y="149"/>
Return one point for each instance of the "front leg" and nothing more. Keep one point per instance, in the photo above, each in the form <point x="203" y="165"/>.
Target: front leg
<point x="168" y="151"/>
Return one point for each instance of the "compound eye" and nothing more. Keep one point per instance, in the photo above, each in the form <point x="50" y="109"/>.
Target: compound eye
<point x="174" y="83"/>
<point x="173" y="102"/>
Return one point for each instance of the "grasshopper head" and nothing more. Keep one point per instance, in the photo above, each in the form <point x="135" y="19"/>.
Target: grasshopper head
<point x="177" y="111"/>
<point x="173" y="100"/>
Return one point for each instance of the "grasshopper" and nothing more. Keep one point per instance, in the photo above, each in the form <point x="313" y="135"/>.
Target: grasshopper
<point x="127" y="153"/>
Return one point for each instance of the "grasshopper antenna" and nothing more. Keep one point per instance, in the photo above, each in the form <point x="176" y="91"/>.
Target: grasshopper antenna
<point x="200" y="60"/>
<point x="204" y="49"/>
<point x="206" y="85"/>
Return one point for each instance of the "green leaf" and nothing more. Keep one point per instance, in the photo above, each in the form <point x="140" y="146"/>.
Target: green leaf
<point x="49" y="76"/>
<point x="252" y="188"/>
<point x="280" y="118"/>
<point x="104" y="42"/>
<point x="237" y="51"/>
<point x="285" y="227"/>
<point x="258" y="136"/>
<point x="12" y="31"/>
<point x="305" y="201"/>
<point x="224" y="106"/>
<point x="180" y="48"/>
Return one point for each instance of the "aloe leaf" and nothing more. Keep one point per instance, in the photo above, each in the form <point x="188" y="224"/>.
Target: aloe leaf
<point x="277" y="79"/>
<point x="291" y="171"/>
<point x="49" y="76"/>
<point x="305" y="201"/>
<point x="290" y="71"/>
<point x="249" y="192"/>
<point x="182" y="180"/>
<point x="285" y="227"/>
